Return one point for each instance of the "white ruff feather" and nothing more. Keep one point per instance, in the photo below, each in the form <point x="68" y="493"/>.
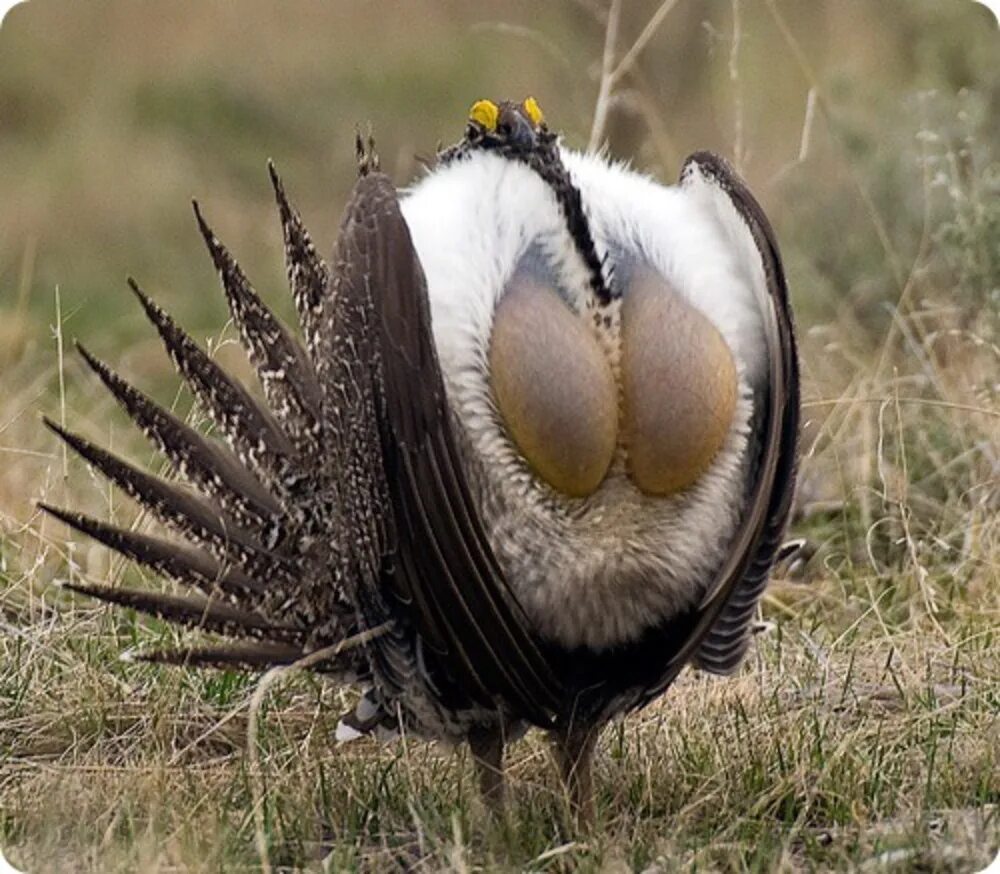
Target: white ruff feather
<point x="600" y="570"/>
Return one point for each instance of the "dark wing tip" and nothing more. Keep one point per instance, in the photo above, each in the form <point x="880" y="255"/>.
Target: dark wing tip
<point x="728" y="604"/>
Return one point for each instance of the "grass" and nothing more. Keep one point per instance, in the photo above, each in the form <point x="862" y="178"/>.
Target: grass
<point x="862" y="732"/>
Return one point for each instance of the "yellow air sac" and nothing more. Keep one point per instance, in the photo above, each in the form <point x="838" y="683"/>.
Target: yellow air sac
<point x="553" y="387"/>
<point x="679" y="386"/>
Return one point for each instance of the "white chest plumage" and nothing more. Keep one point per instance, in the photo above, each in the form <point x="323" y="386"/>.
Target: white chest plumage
<point x="601" y="569"/>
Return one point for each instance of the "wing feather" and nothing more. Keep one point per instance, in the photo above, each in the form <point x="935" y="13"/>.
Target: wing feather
<point x="721" y="635"/>
<point x="443" y="565"/>
<point x="384" y="523"/>
<point x="715" y="632"/>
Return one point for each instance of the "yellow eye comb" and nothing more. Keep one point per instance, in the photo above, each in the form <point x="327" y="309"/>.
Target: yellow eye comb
<point x="485" y="114"/>
<point x="534" y="111"/>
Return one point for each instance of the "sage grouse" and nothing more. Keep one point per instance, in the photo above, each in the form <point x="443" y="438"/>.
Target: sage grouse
<point x="534" y="450"/>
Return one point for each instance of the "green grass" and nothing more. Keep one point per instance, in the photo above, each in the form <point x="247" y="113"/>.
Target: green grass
<point x="863" y="730"/>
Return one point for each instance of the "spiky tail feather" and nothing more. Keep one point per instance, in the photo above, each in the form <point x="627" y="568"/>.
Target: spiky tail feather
<point x="257" y="522"/>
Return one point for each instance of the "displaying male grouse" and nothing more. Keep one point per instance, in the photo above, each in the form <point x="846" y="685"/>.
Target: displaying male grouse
<point x="536" y="445"/>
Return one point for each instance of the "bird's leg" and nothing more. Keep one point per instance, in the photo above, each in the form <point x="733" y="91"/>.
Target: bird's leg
<point x="574" y="749"/>
<point x="486" y="743"/>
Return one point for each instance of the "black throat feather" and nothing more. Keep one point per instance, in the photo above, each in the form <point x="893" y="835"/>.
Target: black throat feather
<point x="541" y="154"/>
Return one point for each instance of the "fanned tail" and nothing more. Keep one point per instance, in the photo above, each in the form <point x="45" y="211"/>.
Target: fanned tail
<point x="208" y="465"/>
<point x="250" y="429"/>
<point x="266" y="541"/>
<point x="192" y="612"/>
<point x="338" y="526"/>
<point x="187" y="512"/>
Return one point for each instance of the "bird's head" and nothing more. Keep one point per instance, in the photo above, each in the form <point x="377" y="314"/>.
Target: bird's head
<point x="517" y="126"/>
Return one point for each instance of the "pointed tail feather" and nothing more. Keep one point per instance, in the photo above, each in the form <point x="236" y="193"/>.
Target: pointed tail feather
<point x="205" y="463"/>
<point x="175" y="560"/>
<point x="185" y="511"/>
<point x="284" y="371"/>
<point x="308" y="275"/>
<point x="255" y="655"/>
<point x="250" y="429"/>
<point x="307" y="474"/>
<point x="200" y="613"/>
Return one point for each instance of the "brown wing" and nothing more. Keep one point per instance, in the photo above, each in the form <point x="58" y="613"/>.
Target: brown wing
<point x="440" y="563"/>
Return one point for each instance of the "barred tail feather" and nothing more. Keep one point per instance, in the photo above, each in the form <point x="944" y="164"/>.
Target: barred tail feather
<point x="271" y="550"/>
<point x="206" y="464"/>
<point x="308" y="275"/>
<point x="185" y="511"/>
<point x="255" y="655"/>
<point x="178" y="561"/>
<point x="194" y="612"/>
<point x="284" y="371"/>
<point x="252" y="431"/>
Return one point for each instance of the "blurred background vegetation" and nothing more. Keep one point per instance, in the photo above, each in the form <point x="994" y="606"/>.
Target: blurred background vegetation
<point x="869" y="129"/>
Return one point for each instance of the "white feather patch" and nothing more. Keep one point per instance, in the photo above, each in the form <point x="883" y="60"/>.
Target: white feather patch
<point x="599" y="570"/>
<point x="345" y="733"/>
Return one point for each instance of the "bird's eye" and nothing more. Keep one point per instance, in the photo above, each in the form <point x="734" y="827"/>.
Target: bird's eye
<point x="679" y="385"/>
<point x="553" y="387"/>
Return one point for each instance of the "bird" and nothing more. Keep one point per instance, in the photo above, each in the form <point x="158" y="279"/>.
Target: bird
<point x="529" y="452"/>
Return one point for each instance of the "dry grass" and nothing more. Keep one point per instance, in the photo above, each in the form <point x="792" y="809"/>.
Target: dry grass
<point x="863" y="731"/>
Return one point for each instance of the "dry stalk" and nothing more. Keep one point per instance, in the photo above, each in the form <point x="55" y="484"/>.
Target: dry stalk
<point x="612" y="74"/>
<point x="271" y="678"/>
